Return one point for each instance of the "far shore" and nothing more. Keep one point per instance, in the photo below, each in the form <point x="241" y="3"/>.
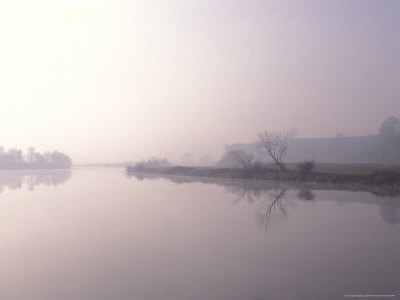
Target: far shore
<point x="383" y="178"/>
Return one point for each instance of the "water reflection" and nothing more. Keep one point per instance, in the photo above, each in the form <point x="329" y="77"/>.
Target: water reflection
<point x="272" y="211"/>
<point x="305" y="193"/>
<point x="102" y="237"/>
<point x="390" y="210"/>
<point x="14" y="180"/>
<point x="270" y="197"/>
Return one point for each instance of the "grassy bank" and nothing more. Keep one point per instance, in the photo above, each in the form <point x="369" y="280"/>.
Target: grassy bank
<point x="388" y="178"/>
<point x="352" y="169"/>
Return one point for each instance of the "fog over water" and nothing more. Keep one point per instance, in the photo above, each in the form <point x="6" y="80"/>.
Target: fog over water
<point x="199" y="149"/>
<point x="107" y="81"/>
<point x="100" y="234"/>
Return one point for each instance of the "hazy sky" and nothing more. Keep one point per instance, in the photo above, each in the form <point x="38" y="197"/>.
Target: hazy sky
<point x="120" y="80"/>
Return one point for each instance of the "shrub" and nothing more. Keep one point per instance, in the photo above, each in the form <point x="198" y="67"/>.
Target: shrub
<point x="305" y="168"/>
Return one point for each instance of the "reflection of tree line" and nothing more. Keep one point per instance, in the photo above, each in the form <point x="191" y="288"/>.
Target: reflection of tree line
<point x="270" y="195"/>
<point x="14" y="180"/>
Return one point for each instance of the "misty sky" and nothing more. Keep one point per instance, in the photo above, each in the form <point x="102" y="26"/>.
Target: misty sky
<point x="107" y="81"/>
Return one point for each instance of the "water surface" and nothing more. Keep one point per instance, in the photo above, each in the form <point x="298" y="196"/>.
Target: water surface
<point x="99" y="234"/>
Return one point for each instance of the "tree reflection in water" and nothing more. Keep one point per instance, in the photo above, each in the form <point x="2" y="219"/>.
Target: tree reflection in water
<point x="390" y="210"/>
<point x="271" y="207"/>
<point x="269" y="196"/>
<point x="272" y="211"/>
<point x="305" y="194"/>
<point x="14" y="180"/>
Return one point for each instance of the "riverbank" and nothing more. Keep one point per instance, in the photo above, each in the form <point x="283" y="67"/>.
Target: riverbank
<point x="379" y="178"/>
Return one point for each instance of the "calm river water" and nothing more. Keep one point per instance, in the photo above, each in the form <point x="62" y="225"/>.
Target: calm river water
<point x="100" y="234"/>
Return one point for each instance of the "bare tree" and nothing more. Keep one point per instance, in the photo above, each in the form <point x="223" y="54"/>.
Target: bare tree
<point x="390" y="126"/>
<point x="244" y="159"/>
<point x="272" y="146"/>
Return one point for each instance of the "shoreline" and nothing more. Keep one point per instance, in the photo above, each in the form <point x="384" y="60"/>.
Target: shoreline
<point x="387" y="180"/>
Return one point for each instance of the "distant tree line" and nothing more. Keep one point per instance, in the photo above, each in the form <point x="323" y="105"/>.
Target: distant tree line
<point x="389" y="133"/>
<point x="151" y="163"/>
<point x="390" y="127"/>
<point x="16" y="159"/>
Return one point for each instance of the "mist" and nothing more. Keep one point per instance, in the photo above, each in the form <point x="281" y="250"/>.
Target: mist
<point x="108" y="81"/>
<point x="201" y="149"/>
